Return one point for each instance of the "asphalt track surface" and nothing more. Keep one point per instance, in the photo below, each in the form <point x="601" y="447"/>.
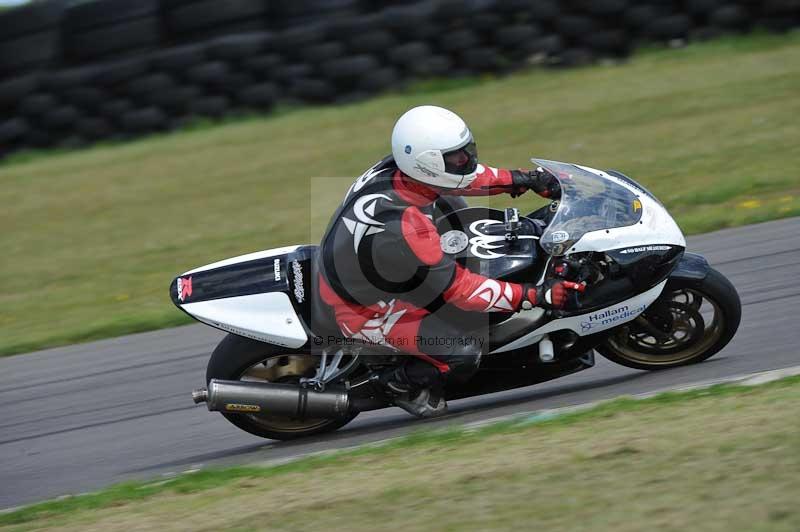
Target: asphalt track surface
<point x="79" y="418"/>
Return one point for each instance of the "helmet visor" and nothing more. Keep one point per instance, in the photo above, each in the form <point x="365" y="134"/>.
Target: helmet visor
<point x="461" y="161"/>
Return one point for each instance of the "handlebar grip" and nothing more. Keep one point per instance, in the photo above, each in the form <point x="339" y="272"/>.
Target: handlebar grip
<point x="580" y="287"/>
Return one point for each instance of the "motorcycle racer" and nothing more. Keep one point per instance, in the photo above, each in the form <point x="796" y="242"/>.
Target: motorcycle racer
<point x="382" y="269"/>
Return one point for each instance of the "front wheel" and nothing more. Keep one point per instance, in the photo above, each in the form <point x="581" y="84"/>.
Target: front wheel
<point x="689" y="322"/>
<point x="238" y="358"/>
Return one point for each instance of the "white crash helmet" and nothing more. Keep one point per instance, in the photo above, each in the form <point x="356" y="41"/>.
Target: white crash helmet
<point x="435" y="146"/>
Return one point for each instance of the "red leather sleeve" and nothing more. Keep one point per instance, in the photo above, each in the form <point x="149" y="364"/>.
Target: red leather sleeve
<point x="490" y="181"/>
<point x="474" y="292"/>
<point x="421" y="236"/>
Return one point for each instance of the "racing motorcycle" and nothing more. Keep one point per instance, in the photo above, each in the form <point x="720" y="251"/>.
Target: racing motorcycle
<point x="285" y="371"/>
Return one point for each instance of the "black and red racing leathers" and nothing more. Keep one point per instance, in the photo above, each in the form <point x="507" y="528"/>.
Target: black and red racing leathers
<point x="383" y="271"/>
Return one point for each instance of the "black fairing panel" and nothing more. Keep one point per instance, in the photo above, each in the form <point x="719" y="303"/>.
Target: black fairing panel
<point x="631" y="271"/>
<point x="488" y="251"/>
<point x="289" y="273"/>
<point x="241" y="279"/>
<point x="691" y="266"/>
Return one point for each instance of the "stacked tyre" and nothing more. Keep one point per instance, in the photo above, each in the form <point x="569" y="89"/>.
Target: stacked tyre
<point x="194" y="20"/>
<point x="117" y="69"/>
<point x="111" y="28"/>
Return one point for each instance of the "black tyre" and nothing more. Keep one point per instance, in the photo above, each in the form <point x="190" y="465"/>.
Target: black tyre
<point x="62" y="117"/>
<point x="237" y="358"/>
<point x="409" y="52"/>
<point x="481" y="59"/>
<point x="701" y="8"/>
<point x="208" y="73"/>
<point x="608" y="42"/>
<point x="639" y="17"/>
<point x="115" y="109"/>
<point x="322" y="52"/>
<point x="175" y="99"/>
<point x="356" y="25"/>
<point x="39" y="138"/>
<point x="239" y="47"/>
<point x="604" y="7"/>
<point x="144" y="120"/>
<point x="30" y="18"/>
<point x="670" y="27"/>
<point x="29" y="52"/>
<point x="455" y="41"/>
<point x="114" y="73"/>
<point x="690" y="322"/>
<point x="486" y="22"/>
<point x="731" y="17"/>
<point x="350" y="67"/>
<point x="14" y="89"/>
<point x="433" y="65"/>
<point x="69" y="78"/>
<point x="313" y="90"/>
<point x="210" y="106"/>
<point x="287" y="73"/>
<point x="149" y="84"/>
<point x="783" y="7"/>
<point x="13" y="129"/>
<point x="261" y="96"/>
<point x="38" y="103"/>
<point x="198" y="16"/>
<point x="412" y="21"/>
<point x="372" y="42"/>
<point x="132" y="35"/>
<point x="549" y="45"/>
<point x="545" y="10"/>
<point x="180" y="58"/>
<point x="88" y="15"/>
<point x="575" y="26"/>
<point x="94" y="128"/>
<point x="262" y="67"/>
<point x="85" y="97"/>
<point x="380" y="79"/>
<point x="515" y="35"/>
<point x="292" y="40"/>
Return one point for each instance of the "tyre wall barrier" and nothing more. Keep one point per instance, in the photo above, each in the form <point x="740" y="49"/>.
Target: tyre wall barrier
<point x="76" y="73"/>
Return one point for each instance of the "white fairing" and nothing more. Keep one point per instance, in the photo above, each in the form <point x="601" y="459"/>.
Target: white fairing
<point x="267" y="317"/>
<point x="592" y="322"/>
<point x="244" y="258"/>
<point x="657" y="226"/>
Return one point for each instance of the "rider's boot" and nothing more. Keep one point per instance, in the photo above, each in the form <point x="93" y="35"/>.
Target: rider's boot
<point x="417" y="400"/>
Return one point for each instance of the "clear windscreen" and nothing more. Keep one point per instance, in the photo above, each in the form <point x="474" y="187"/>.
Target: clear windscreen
<point x="588" y="203"/>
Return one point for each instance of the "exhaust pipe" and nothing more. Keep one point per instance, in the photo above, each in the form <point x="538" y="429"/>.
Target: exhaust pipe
<point x="271" y="398"/>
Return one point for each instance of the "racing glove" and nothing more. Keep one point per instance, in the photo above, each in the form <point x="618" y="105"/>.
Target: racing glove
<point x="539" y="180"/>
<point x="551" y="294"/>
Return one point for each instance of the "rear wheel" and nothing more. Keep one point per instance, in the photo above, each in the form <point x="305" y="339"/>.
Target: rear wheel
<point x="690" y="322"/>
<point x="241" y="359"/>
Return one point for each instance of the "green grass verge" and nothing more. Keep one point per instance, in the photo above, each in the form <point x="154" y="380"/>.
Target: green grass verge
<point x="92" y="238"/>
<point x="721" y="458"/>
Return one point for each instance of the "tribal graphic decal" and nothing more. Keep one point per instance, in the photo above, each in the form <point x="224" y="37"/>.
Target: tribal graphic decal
<point x="364" y="224"/>
<point x="497" y="294"/>
<point x="483" y="244"/>
<point x="376" y="329"/>
<point x="365" y="178"/>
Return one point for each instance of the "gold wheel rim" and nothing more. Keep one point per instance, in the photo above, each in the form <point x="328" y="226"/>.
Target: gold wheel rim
<point x="625" y="344"/>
